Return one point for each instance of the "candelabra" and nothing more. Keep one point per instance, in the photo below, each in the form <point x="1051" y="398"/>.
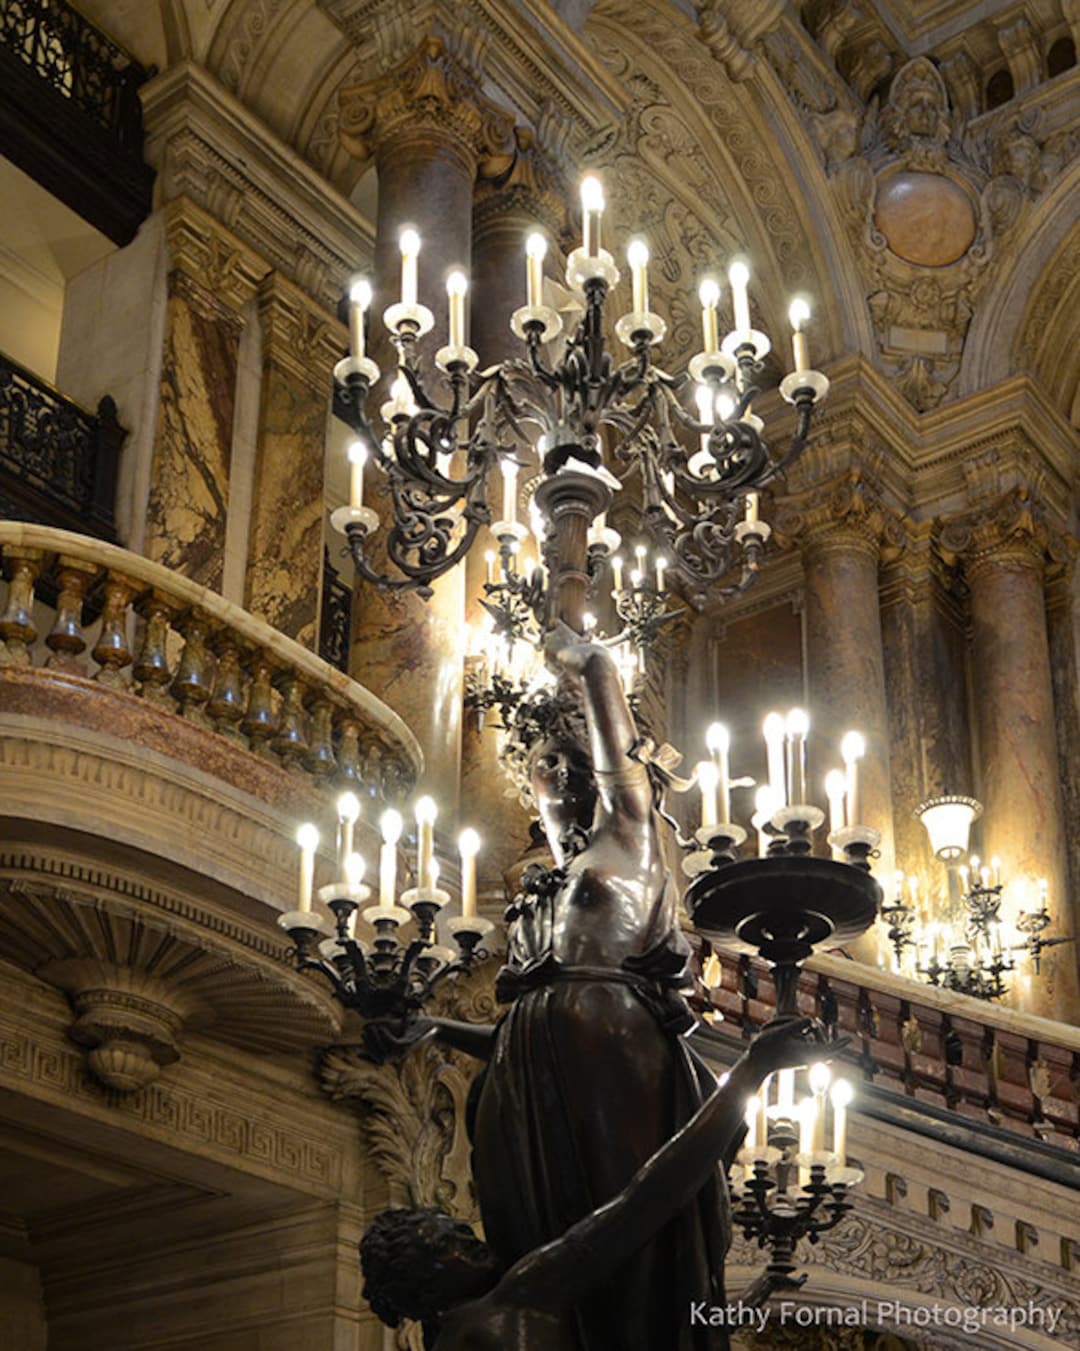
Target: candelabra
<point x="786" y="1183"/>
<point x="969" y="946"/>
<point x="700" y="468"/>
<point x="396" y="970"/>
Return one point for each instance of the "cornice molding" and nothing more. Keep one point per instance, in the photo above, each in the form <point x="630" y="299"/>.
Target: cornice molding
<point x="219" y="270"/>
<point x="298" y="333"/>
<point x="207" y="146"/>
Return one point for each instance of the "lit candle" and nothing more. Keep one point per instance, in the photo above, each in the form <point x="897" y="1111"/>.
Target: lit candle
<point x="841" y="1095"/>
<point x="354" y="869"/>
<point x="661" y="565"/>
<point x="307" y="837"/>
<point x="390" y="826"/>
<point x="835" y="791"/>
<point x="965" y="878"/>
<point x="799" y="313"/>
<point x="755" y="1123"/>
<point x="785" y="1093"/>
<point x="852" y="749"/>
<point x="807" y="1117"/>
<point x="764" y="806"/>
<point x="456" y="286"/>
<point x="709" y="295"/>
<point x="637" y="255"/>
<point x="819" y="1082"/>
<point x="535" y="253"/>
<point x="798" y="726"/>
<point x="984" y="877"/>
<point x="616" y="572"/>
<point x="509" y="472"/>
<point x="489" y="559"/>
<point x="706" y="406"/>
<point x="718" y="741"/>
<point x="592" y="207"/>
<point x="739" y="276"/>
<point x="409" y="243"/>
<point x="898" y="887"/>
<point x="468" y="848"/>
<point x="348" y="810"/>
<point x="774" y="747"/>
<point x="1044" y="893"/>
<point x="359" y="300"/>
<point x="995" y="865"/>
<point x="708" y="776"/>
<point x="357" y="459"/>
<point x="752" y="506"/>
<point x="425" y="841"/>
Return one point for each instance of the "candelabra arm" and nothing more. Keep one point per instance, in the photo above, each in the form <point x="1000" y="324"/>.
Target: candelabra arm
<point x="805" y="408"/>
<point x="770" y="1283"/>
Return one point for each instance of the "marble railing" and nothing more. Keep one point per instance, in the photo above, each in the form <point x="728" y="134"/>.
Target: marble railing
<point x="986" y="1063"/>
<point x="86" y="614"/>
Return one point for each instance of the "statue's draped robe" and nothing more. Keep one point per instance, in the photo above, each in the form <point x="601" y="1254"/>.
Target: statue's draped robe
<point x="589" y="1077"/>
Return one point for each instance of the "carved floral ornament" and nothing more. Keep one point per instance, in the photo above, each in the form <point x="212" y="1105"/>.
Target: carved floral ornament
<point x="434" y="92"/>
<point x="1012" y="531"/>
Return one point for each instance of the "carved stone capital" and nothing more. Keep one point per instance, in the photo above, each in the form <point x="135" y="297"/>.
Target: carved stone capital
<point x="845" y="514"/>
<point x="207" y="261"/>
<point x="1010" y="532"/>
<point x="434" y="95"/>
<point x="533" y="188"/>
<point x="298" y="333"/>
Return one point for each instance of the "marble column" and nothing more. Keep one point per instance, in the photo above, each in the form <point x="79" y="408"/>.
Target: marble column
<point x="1004" y="550"/>
<point x="211" y="277"/>
<point x="428" y="127"/>
<point x="300" y="343"/>
<point x="840" y="527"/>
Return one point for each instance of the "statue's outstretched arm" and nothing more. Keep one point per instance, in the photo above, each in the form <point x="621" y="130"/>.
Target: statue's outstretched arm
<point x="562" y="1272"/>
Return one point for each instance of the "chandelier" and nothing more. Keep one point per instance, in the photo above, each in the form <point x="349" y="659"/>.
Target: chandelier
<point x="792" y="1178"/>
<point x="969" y="944"/>
<point x="572" y="416"/>
<point x="395" y="969"/>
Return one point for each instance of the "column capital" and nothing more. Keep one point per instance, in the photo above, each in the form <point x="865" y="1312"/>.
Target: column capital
<point x="532" y="188"/>
<point x="297" y="333"/>
<point x="218" y="270"/>
<point x="432" y="94"/>
<point x="846" y="513"/>
<point x="1013" y="532"/>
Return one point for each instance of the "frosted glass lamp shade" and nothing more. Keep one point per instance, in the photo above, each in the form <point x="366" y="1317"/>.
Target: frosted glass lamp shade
<point x="948" y="823"/>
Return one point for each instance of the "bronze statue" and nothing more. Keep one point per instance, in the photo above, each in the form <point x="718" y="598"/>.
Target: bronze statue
<point x="588" y="1072"/>
<point x="423" y="1265"/>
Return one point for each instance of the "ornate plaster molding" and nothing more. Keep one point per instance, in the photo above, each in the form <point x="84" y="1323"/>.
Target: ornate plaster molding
<point x="1012" y="531"/>
<point x="298" y="333"/>
<point x="219" y="270"/>
<point x="534" y="186"/>
<point x="208" y="147"/>
<point x="844" y="514"/>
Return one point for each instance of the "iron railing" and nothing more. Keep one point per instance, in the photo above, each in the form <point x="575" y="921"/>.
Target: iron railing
<point x="78" y="61"/>
<point x="58" y="463"/>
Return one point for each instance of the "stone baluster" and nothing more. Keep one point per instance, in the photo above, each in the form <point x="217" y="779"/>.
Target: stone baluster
<point x="211" y="277"/>
<point x="428" y="125"/>
<point x="321" y="760"/>
<point x="260" y="718"/>
<point x="112" y="651"/>
<point x="292" y="741"/>
<point x="1004" y="548"/>
<point x="348" y="756"/>
<point x="226" y="703"/>
<point x="17" y="628"/>
<point x="300" y="344"/>
<point x="67" y="642"/>
<point x="193" y="683"/>
<point x="151" y="669"/>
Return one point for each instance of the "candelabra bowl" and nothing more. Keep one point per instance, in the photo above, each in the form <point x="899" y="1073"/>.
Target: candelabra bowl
<point x="782" y="908"/>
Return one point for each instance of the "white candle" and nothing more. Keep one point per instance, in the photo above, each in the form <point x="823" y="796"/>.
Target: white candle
<point x="661" y="565"/>
<point x="752" y="508"/>
<point x="807" y="1115"/>
<point x="390" y="826"/>
<point x="535" y="253"/>
<point x="708" y="776"/>
<point x="718" y="740"/>
<point x="706" y="406"/>
<point x="592" y="208"/>
<point x="774" y="746"/>
<point x="739" y="276"/>
<point x="835" y="791"/>
<point x="709" y="295"/>
<point x="307" y="837"/>
<point x="841" y="1095"/>
<point x="984" y="877"/>
<point x="637" y="255"/>
<point x="755" y="1123"/>
<point x="616" y="572"/>
<point x="965" y="878"/>
<point x="357" y="459"/>
<point x="798" y="727"/>
<point x="456" y="286"/>
<point x="489" y="560"/>
<point x="359" y="300"/>
<point x="409" y="243"/>
<point x="468" y="848"/>
<point x="852" y="749"/>
<point x="426" y="812"/>
<point x="764" y="806"/>
<point x="819" y="1082"/>
<point x="785" y="1093"/>
<point x="509" y="472"/>
<point x="348" y="810"/>
<point x="995" y="865"/>
<point x="799" y="313"/>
